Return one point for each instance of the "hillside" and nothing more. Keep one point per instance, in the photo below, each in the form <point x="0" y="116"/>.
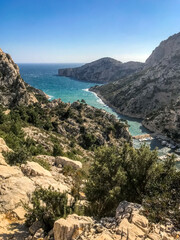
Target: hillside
<point x="102" y="71"/>
<point x="153" y="93"/>
<point x="60" y="162"/>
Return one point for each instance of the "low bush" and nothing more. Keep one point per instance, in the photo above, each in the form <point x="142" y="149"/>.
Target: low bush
<point x="135" y="175"/>
<point x="57" y="150"/>
<point x="48" y="205"/>
<point x="88" y="140"/>
<point x="16" y="158"/>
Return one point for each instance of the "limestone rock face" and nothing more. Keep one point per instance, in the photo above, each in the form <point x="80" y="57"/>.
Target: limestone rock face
<point x="13" y="90"/>
<point x="71" y="227"/>
<point x="153" y="93"/>
<point x="102" y="71"/>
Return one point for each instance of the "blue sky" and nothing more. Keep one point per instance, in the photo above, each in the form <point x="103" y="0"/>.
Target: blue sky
<point x="60" y="31"/>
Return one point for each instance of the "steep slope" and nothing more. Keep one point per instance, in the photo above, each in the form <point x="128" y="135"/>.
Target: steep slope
<point x="152" y="94"/>
<point x="78" y="122"/>
<point x="102" y="71"/>
<point x="13" y="90"/>
<point x="166" y="50"/>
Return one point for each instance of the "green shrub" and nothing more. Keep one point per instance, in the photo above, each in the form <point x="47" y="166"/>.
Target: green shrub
<point x="131" y="174"/>
<point x="57" y="150"/>
<point x="48" y="205"/>
<point x="78" y="177"/>
<point x="2" y="116"/>
<point x="88" y="141"/>
<point x="18" y="157"/>
<point x="163" y="197"/>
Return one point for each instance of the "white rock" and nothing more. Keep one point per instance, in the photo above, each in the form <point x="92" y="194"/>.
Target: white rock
<point x="71" y="227"/>
<point x="34" y="169"/>
<point x="64" y="161"/>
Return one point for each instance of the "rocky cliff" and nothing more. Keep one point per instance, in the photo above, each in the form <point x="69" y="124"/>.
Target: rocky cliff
<point x="153" y="93"/>
<point x="13" y="90"/>
<point x="102" y="71"/>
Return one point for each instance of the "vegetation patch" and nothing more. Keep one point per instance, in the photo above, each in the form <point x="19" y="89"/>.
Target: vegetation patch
<point x="135" y="175"/>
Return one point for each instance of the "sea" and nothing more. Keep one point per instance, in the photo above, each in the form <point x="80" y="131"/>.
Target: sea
<point x="45" y="77"/>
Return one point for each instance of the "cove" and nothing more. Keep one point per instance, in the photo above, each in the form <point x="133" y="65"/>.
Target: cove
<point x="44" y="77"/>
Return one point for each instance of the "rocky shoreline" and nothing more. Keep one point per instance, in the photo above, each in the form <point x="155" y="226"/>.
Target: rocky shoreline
<point x="151" y="94"/>
<point x="164" y="140"/>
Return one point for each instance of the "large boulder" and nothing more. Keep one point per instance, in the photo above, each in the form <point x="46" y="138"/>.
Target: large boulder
<point x="130" y="230"/>
<point x="71" y="227"/>
<point x="34" y="169"/>
<point x="44" y="178"/>
<point x="64" y="161"/>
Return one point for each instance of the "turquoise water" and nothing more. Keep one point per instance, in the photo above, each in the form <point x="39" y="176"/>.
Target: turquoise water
<point x="44" y="77"/>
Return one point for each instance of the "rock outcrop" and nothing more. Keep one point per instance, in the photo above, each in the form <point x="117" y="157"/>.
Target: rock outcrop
<point x="18" y="182"/>
<point x="129" y="223"/>
<point x="34" y="169"/>
<point x="13" y="90"/>
<point x="71" y="227"/>
<point x="153" y="93"/>
<point x="102" y="71"/>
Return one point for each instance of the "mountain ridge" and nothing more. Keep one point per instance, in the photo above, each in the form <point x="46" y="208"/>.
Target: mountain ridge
<point x="153" y="93"/>
<point x="102" y="70"/>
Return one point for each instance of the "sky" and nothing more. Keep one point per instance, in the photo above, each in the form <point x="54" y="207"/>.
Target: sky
<point x="80" y="31"/>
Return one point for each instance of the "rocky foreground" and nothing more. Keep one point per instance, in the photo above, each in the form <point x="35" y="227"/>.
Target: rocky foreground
<point x="103" y="70"/>
<point x="128" y="223"/>
<point x="153" y="93"/>
<point x="18" y="182"/>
